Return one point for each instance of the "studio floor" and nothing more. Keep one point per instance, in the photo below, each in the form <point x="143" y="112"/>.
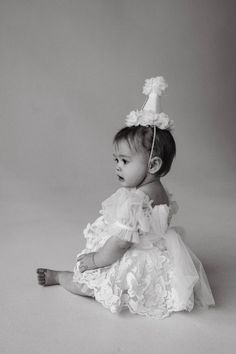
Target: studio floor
<point x="44" y="230"/>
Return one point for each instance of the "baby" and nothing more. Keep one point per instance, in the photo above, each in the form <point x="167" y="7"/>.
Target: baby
<point x="133" y="258"/>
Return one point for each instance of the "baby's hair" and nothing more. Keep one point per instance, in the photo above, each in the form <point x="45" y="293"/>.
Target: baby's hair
<point x="140" y="137"/>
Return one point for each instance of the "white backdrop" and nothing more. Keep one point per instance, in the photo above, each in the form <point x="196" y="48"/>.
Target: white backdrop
<point x="72" y="70"/>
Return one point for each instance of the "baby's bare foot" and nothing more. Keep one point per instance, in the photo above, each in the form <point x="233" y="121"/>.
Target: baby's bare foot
<point x="47" y="277"/>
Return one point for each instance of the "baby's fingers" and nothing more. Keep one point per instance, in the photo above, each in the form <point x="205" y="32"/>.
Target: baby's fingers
<point x="80" y="257"/>
<point x="83" y="268"/>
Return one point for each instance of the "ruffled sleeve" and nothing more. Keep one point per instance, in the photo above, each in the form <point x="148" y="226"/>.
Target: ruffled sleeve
<point x="128" y="214"/>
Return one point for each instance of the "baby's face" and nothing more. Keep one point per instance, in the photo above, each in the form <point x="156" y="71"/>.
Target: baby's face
<point x="131" y="166"/>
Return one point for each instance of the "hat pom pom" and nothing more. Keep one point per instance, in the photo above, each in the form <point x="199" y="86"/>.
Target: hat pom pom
<point x="156" y="85"/>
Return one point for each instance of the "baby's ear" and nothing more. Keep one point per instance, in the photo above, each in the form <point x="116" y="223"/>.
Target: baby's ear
<point x="154" y="165"/>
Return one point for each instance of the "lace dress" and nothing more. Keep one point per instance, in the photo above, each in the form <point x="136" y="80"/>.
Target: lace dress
<point x="158" y="274"/>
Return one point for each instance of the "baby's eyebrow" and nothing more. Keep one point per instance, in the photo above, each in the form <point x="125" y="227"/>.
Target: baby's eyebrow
<point x="121" y="155"/>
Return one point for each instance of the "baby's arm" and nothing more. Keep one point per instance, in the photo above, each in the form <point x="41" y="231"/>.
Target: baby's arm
<point x="112" y="250"/>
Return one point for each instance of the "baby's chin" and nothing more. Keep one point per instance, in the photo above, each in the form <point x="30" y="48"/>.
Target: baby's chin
<point x="124" y="184"/>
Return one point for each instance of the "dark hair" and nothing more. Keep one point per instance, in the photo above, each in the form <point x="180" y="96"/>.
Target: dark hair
<point x="140" y="137"/>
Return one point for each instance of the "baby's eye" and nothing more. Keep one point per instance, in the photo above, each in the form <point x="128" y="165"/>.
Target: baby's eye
<point x="124" y="161"/>
<point x="116" y="160"/>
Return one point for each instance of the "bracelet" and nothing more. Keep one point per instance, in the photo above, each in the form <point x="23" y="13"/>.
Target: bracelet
<point x="94" y="264"/>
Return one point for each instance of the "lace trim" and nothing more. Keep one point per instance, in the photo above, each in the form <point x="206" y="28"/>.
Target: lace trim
<point x="142" y="287"/>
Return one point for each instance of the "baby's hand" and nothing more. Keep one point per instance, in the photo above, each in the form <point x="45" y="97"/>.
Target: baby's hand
<point x="86" y="262"/>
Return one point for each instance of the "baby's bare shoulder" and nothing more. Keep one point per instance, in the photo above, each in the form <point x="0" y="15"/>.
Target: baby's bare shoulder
<point x="156" y="193"/>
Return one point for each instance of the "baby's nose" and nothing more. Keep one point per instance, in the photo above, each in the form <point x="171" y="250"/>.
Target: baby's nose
<point x="118" y="168"/>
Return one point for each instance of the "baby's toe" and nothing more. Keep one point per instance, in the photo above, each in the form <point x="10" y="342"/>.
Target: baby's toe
<point x="47" y="277"/>
<point x="41" y="276"/>
<point x="41" y="282"/>
<point x="41" y="270"/>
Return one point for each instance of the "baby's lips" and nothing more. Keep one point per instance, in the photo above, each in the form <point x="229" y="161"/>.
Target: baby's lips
<point x="120" y="177"/>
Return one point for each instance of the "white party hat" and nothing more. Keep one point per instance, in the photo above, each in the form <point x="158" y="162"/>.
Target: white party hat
<point x="151" y="113"/>
<point x="153" y="103"/>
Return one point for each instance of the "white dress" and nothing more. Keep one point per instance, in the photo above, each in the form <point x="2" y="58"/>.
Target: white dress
<point x="158" y="274"/>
